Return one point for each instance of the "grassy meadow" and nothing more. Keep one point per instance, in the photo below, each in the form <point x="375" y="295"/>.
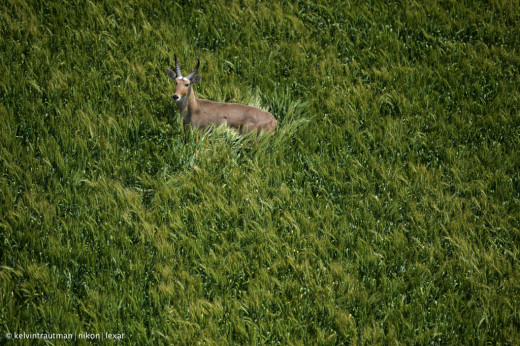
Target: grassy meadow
<point x="385" y="209"/>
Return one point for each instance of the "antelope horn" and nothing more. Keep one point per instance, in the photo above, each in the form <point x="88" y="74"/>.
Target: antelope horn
<point x="178" y="68"/>
<point x="194" y="71"/>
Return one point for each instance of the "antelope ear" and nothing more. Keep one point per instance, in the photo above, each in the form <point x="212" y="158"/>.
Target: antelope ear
<point x="195" y="79"/>
<point x="170" y="73"/>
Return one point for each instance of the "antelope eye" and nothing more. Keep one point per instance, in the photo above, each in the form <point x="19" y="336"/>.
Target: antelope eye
<point x="188" y="84"/>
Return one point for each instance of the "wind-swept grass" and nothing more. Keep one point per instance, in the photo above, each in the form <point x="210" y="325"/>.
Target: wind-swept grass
<point x="384" y="209"/>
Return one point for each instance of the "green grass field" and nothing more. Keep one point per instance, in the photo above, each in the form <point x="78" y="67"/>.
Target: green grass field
<point x="385" y="209"/>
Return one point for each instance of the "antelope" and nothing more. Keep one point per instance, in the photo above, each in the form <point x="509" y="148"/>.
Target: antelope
<point x="201" y="113"/>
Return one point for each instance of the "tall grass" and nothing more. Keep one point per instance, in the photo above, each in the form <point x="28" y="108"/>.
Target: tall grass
<point x="384" y="209"/>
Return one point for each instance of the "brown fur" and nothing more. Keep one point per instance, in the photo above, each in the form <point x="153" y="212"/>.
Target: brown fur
<point x="201" y="113"/>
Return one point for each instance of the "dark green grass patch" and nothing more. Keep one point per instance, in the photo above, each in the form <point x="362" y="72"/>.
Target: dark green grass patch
<point x="384" y="209"/>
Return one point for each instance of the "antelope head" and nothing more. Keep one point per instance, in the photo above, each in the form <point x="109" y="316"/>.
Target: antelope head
<point x="183" y="88"/>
